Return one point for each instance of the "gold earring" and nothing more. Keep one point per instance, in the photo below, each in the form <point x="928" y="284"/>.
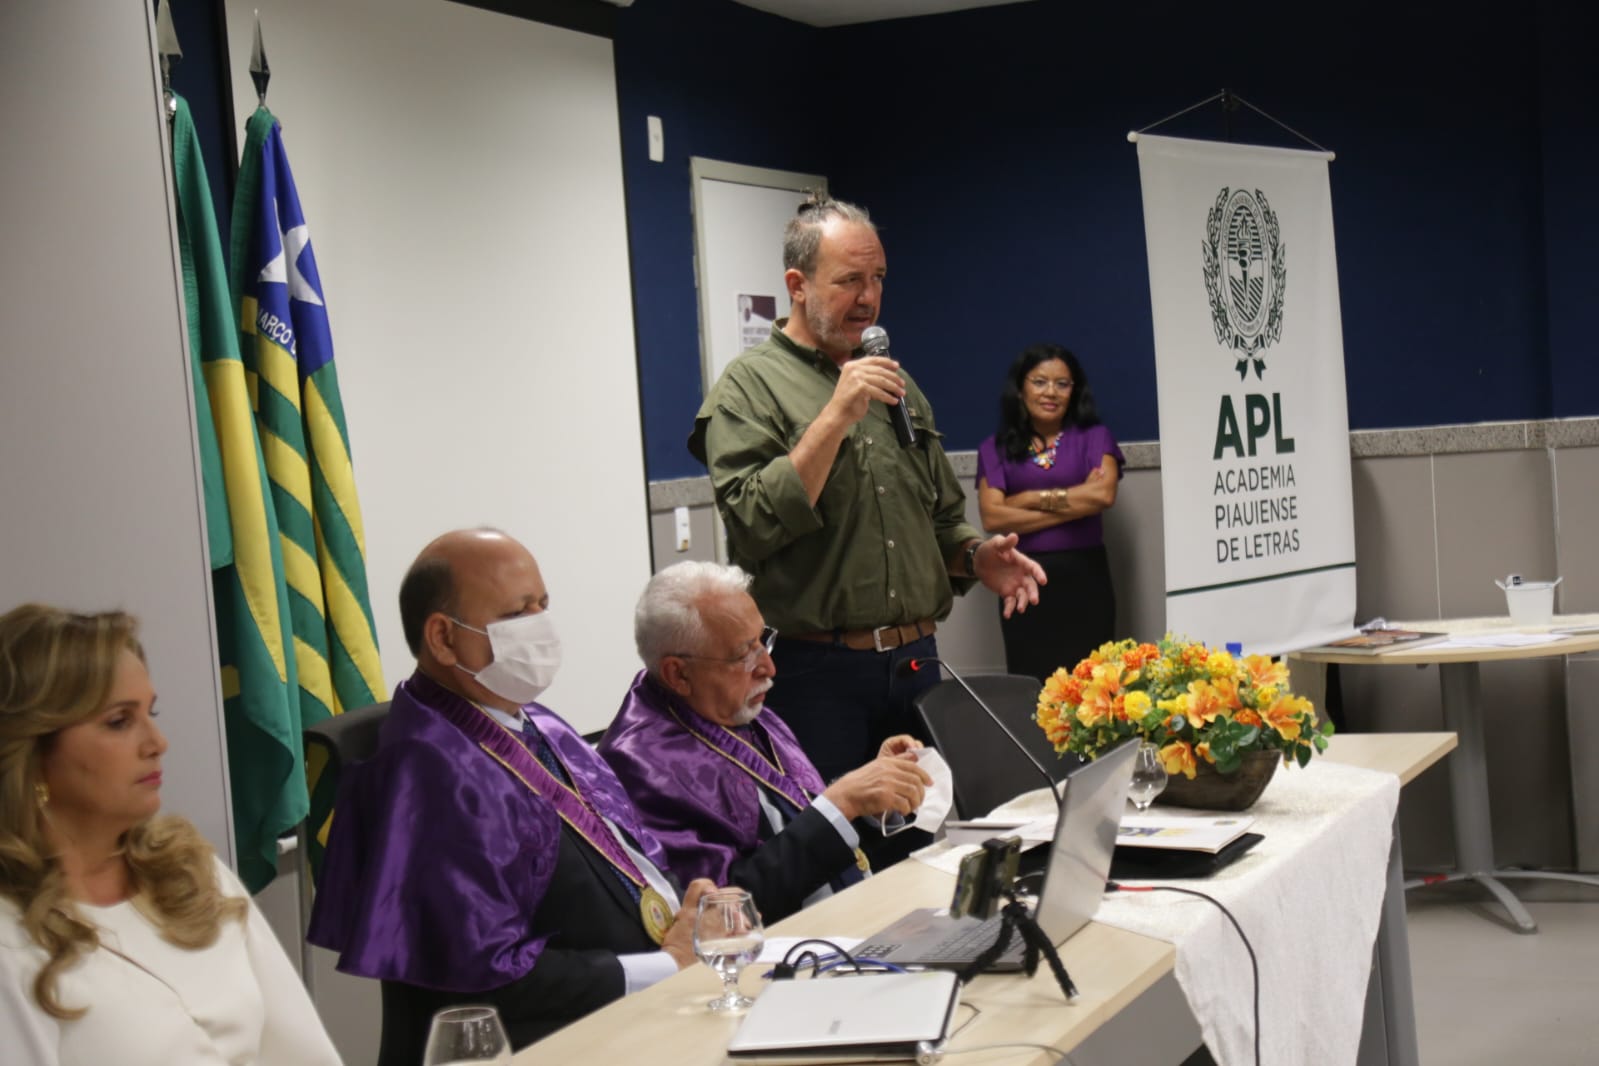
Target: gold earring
<point x="41" y="794"/>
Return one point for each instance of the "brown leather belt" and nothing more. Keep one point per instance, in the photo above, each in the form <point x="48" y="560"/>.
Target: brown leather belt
<point x="883" y="638"/>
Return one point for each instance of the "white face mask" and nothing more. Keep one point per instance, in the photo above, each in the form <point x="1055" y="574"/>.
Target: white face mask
<point x="527" y="654"/>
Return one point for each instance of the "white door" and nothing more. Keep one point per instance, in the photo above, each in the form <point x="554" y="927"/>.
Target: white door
<point x="739" y="215"/>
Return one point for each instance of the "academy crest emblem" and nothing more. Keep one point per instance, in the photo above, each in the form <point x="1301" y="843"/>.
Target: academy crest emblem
<point x="1245" y="275"/>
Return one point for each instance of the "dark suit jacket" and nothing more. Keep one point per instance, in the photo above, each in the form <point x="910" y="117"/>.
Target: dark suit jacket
<point x="591" y="919"/>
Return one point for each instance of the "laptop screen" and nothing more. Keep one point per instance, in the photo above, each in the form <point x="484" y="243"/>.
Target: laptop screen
<point x="1085" y="839"/>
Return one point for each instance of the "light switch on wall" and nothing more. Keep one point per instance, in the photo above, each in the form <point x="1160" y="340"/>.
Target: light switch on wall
<point x="657" y="138"/>
<point x="680" y="514"/>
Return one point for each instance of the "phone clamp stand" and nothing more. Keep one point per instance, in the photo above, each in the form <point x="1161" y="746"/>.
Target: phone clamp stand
<point x="1015" y="920"/>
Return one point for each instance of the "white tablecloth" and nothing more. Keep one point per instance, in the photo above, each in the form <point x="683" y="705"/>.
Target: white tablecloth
<point x="1309" y="897"/>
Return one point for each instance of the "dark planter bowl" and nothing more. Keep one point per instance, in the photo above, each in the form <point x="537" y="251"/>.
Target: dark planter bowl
<point x="1211" y="791"/>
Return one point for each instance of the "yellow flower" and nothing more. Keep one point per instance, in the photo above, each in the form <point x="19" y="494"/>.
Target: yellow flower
<point x="1137" y="704"/>
<point x="1220" y="665"/>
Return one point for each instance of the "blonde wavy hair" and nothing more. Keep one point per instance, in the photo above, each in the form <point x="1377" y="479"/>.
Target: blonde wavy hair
<point x="56" y="670"/>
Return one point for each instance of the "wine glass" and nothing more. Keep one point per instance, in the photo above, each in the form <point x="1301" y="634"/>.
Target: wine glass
<point x="728" y="937"/>
<point x="1149" y="777"/>
<point x="465" y="1035"/>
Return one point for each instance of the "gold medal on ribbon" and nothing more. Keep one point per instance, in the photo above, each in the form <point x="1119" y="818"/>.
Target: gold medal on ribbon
<point x="652" y="907"/>
<point x="860" y="861"/>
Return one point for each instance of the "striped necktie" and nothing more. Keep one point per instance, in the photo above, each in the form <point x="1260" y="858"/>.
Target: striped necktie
<point x="536" y="743"/>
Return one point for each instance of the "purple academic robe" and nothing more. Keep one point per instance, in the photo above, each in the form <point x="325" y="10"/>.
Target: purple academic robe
<point x="439" y="857"/>
<point x="694" y="784"/>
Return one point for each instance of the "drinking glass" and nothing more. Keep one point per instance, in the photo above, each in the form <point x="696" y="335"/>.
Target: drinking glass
<point x="1149" y="777"/>
<point x="466" y="1035"/>
<point x="728" y="937"/>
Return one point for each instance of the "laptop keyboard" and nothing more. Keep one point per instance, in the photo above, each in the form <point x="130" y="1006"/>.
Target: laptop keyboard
<point x="962" y="948"/>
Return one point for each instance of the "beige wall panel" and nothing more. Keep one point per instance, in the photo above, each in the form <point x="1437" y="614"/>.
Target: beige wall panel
<point x="1577" y="530"/>
<point x="1494" y="513"/>
<point x="1396" y="553"/>
<point x="1135" y="541"/>
<point x="701" y="537"/>
<point x="1529" y="772"/>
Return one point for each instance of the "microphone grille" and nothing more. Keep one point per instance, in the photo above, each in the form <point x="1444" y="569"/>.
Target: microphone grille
<point x="874" y="339"/>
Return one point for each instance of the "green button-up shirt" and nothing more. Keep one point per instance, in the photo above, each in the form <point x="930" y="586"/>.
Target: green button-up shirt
<point x="875" y="549"/>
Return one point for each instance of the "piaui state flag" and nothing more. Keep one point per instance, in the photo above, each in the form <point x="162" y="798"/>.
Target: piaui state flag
<point x="254" y="642"/>
<point x="288" y="355"/>
<point x="1249" y="364"/>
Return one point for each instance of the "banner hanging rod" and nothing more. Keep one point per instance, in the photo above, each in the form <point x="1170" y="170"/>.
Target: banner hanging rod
<point x="1229" y="102"/>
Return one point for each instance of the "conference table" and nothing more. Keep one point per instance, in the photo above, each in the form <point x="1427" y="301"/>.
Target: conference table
<point x="1460" y="679"/>
<point x="1112" y="967"/>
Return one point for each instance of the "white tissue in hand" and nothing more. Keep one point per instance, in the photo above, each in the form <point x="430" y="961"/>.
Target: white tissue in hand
<point x="940" y="795"/>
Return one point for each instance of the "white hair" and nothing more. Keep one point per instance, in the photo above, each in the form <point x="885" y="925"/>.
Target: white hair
<point x="667" y="619"/>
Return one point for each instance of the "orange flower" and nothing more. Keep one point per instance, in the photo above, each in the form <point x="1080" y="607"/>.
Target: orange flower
<point x="1084" y="671"/>
<point x="1263" y="672"/>
<point x="1143" y="653"/>
<point x="1072" y="690"/>
<point x="1095" y="706"/>
<point x="1055" y="687"/>
<point x="1284" y="715"/>
<point x="1178" y="758"/>
<point x="1248" y="717"/>
<point x="1205" y="703"/>
<point x="1227" y="692"/>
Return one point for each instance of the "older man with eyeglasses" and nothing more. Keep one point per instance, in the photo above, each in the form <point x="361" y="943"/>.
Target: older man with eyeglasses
<point x="720" y="780"/>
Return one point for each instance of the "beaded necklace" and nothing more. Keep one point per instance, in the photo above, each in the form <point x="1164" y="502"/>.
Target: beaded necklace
<point x="1043" y="457"/>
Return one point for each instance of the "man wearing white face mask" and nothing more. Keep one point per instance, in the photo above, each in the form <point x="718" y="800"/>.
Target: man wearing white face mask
<point x="486" y="853"/>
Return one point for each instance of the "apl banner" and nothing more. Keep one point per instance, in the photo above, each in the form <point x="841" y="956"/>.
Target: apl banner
<point x="1249" y="358"/>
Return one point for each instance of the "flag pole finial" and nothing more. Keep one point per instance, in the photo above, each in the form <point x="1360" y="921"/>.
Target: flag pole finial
<point x="260" y="73"/>
<point x="166" y="39"/>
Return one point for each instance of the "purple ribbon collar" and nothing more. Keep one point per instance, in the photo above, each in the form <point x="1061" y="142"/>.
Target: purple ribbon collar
<point x="508" y="750"/>
<point x="798" y="787"/>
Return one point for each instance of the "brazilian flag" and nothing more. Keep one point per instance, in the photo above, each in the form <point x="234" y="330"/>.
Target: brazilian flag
<point x="254" y="641"/>
<point x="287" y="347"/>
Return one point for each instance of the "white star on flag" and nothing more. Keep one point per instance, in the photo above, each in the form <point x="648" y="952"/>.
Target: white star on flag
<point x="285" y="266"/>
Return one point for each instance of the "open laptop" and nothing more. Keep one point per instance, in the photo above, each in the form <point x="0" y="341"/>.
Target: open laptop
<point x="1074" y="881"/>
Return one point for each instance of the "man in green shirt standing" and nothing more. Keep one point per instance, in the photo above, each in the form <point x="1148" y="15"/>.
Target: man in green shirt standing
<point x="856" y="544"/>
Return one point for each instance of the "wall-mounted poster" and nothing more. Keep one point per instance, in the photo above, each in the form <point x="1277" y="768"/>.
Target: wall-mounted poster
<point x="755" y="317"/>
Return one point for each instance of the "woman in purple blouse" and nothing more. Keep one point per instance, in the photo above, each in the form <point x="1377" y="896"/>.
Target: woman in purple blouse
<point x="1046" y="475"/>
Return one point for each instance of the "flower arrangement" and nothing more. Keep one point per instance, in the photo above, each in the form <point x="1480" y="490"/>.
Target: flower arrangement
<point x="1192" y="702"/>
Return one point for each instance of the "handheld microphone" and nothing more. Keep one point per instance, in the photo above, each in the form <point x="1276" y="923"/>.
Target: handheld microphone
<point x="911" y="666"/>
<point x="874" y="341"/>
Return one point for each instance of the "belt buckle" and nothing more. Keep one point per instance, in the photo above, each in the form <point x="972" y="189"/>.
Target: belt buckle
<point x="877" y="638"/>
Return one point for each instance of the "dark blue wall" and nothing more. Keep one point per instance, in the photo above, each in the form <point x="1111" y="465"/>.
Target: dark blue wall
<point x="717" y="75"/>
<point x="990" y="147"/>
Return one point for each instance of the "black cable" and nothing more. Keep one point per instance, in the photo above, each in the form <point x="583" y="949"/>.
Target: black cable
<point x="801" y="955"/>
<point x="1254" y="964"/>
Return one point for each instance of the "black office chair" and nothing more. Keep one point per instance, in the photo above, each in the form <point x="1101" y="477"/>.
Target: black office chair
<point x="330" y="746"/>
<point x="986" y="765"/>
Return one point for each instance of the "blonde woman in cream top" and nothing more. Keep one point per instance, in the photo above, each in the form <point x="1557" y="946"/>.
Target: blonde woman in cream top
<point x="123" y="940"/>
<point x="152" y="1002"/>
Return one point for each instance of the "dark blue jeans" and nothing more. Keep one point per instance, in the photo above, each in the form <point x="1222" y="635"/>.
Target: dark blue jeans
<point x="842" y="704"/>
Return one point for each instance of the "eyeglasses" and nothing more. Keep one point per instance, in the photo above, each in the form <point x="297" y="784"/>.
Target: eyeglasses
<point x="1042" y="384"/>
<point x="748" y="660"/>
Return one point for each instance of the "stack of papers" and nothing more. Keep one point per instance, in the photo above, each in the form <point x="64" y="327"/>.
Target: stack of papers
<point x="1207" y="834"/>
